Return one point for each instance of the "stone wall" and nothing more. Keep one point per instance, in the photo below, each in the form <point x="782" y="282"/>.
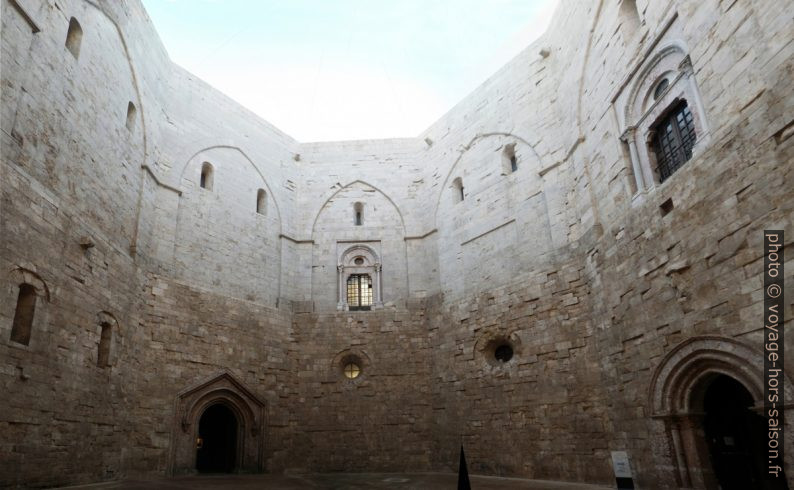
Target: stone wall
<point x="569" y="258"/>
<point x="380" y="420"/>
<point x="187" y="336"/>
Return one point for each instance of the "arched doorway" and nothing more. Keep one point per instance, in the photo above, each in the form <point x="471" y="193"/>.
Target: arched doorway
<point x="707" y="398"/>
<point x="216" y="444"/>
<point x="194" y="414"/>
<point x="735" y="436"/>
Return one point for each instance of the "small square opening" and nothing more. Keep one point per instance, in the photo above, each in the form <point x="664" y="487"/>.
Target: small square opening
<point x="666" y="206"/>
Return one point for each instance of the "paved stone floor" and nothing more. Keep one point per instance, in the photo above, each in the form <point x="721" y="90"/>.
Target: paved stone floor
<point x="340" y="481"/>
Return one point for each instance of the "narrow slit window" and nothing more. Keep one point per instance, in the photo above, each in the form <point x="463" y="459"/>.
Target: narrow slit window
<point x="261" y="201"/>
<point x="74" y="37"/>
<point x="206" y="176"/>
<point x="23" y="315"/>
<point x="105" y="340"/>
<point x="629" y="16"/>
<point x="457" y="186"/>
<point x="509" y="159"/>
<point x="359" y="292"/>
<point x="131" y="116"/>
<point x="358" y="214"/>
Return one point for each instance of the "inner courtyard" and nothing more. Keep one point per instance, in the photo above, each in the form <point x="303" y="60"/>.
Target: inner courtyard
<point x="564" y="274"/>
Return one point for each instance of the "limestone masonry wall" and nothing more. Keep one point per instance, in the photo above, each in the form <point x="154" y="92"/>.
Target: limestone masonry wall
<point x="534" y="214"/>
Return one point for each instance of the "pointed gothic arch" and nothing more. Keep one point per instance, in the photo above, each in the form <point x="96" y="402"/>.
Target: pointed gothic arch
<point x="248" y="409"/>
<point x="348" y="186"/>
<point x="451" y="175"/>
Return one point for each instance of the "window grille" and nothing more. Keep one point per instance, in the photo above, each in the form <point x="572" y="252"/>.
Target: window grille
<point x="359" y="292"/>
<point x="673" y="141"/>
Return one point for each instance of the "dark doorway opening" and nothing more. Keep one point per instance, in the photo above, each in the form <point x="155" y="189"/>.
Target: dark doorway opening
<point x="216" y="446"/>
<point x="736" y="438"/>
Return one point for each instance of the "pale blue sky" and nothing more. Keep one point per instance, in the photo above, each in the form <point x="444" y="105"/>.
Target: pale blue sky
<point x="347" y="69"/>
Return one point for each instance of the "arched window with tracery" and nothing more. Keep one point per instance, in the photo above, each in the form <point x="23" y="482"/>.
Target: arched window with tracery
<point x="663" y="119"/>
<point x="359" y="274"/>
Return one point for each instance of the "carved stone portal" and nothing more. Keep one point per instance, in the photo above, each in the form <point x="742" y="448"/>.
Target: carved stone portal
<point x="248" y="409"/>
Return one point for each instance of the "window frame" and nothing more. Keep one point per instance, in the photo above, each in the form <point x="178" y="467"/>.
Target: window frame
<point x="680" y="144"/>
<point x="359" y="296"/>
<point x="641" y="111"/>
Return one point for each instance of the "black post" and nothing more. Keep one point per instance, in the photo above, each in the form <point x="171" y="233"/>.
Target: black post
<point x="463" y="472"/>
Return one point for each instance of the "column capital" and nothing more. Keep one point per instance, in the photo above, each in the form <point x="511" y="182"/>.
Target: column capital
<point x="686" y="66"/>
<point x="628" y="134"/>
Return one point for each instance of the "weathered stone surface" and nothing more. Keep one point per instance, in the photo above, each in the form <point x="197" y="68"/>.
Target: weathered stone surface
<point x="601" y="291"/>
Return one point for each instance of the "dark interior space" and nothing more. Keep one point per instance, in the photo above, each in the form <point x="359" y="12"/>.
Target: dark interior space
<point x="217" y="440"/>
<point x="736" y="437"/>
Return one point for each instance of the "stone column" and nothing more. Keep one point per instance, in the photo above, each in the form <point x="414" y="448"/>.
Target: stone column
<point x="696" y="451"/>
<point x="629" y="137"/>
<point x="341" y="305"/>
<point x="378" y="295"/>
<point x="679" y="454"/>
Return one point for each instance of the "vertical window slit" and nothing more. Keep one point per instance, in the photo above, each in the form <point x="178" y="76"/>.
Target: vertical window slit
<point x="74" y="37"/>
<point x="261" y="201"/>
<point x="509" y="159"/>
<point x="358" y="214"/>
<point x="131" y="116"/>
<point x="105" y="340"/>
<point x="23" y="315"/>
<point x="206" y="176"/>
<point x="457" y="186"/>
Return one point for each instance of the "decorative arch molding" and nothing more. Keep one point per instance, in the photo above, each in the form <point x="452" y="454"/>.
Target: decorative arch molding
<point x="183" y="167"/>
<point x="678" y="377"/>
<point x="641" y="111"/>
<point x="139" y="101"/>
<point x="141" y="110"/>
<point x="465" y="148"/>
<point x="21" y="275"/>
<point x="340" y="189"/>
<point x="640" y="79"/>
<point x="676" y="393"/>
<point x="347" y="266"/>
<point x="249" y="410"/>
<point x="359" y="250"/>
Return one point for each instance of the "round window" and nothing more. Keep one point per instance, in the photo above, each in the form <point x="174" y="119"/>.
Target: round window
<point x="660" y="88"/>
<point x="503" y="353"/>
<point x="352" y="370"/>
<point x="359" y="261"/>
